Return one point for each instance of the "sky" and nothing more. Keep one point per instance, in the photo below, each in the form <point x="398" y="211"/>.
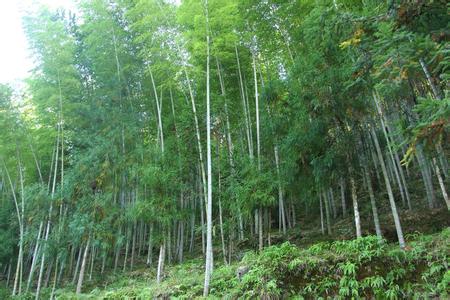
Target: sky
<point x="15" y="60"/>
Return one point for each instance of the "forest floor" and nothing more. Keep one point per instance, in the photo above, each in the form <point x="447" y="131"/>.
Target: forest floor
<point x="306" y="264"/>
<point x="303" y="264"/>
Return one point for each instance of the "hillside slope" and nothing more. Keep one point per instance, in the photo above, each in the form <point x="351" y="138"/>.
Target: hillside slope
<point x="361" y="268"/>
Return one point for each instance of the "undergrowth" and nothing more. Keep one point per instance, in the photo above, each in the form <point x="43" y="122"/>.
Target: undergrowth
<point x="354" y="269"/>
<point x="362" y="268"/>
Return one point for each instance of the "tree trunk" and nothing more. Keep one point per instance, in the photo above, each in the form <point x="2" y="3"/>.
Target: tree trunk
<point x="55" y="277"/>
<point x="41" y="270"/>
<point x="49" y="271"/>
<point x="181" y="242"/>
<point x="281" y="213"/>
<point x="374" y="159"/>
<point x="169" y="247"/>
<point x="322" y="227"/>
<point x="191" y="242"/>
<point x="83" y="267"/>
<point x="355" y="206"/>
<point x="75" y="272"/>
<point x="159" y="111"/>
<point x="327" y="212"/>
<point x="35" y="254"/>
<point x="8" y="276"/>
<point x="61" y="270"/>
<point x="442" y="160"/>
<point x="344" y="206"/>
<point x="260" y="229"/>
<point x="293" y="213"/>
<point x="162" y="250"/>
<point x="258" y="152"/>
<point x="103" y="263"/>
<point x="333" y="203"/>
<point x="150" y="246"/>
<point x="373" y="204"/>
<point x="436" y="91"/>
<point x="117" y="252"/>
<point x="244" y="106"/>
<point x="20" y="216"/>
<point x="398" y="227"/>
<point x="209" y="250"/>
<point x="396" y="167"/>
<point x="425" y="177"/>
<point x="222" y="236"/>
<point x="258" y="143"/>
<point x="202" y="220"/>
<point x="91" y="267"/>
<point x="241" y="225"/>
<point x="441" y="183"/>
<point x="133" y="246"/>
<point x="127" y="246"/>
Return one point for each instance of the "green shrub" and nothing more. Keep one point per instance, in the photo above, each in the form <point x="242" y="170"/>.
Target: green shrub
<point x="365" y="267"/>
<point x="362" y="268"/>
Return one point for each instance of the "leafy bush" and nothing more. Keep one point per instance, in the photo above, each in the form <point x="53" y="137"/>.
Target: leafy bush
<point x="365" y="267"/>
<point x="361" y="268"/>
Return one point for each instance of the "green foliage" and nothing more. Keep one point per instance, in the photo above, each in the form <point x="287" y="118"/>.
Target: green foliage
<point x="432" y="125"/>
<point x="224" y="281"/>
<point x="343" y="270"/>
<point x="259" y="281"/>
<point x="365" y="267"/>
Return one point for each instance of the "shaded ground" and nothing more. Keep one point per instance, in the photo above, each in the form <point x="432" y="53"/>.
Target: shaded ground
<point x="309" y="264"/>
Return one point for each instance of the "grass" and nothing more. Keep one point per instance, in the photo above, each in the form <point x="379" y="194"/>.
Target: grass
<point x="360" y="268"/>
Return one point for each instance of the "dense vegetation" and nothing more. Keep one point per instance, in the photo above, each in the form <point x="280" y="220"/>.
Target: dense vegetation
<point x="152" y="132"/>
<point x="362" y="268"/>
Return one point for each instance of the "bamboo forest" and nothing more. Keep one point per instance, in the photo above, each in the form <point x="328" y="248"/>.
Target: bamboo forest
<point x="228" y="149"/>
